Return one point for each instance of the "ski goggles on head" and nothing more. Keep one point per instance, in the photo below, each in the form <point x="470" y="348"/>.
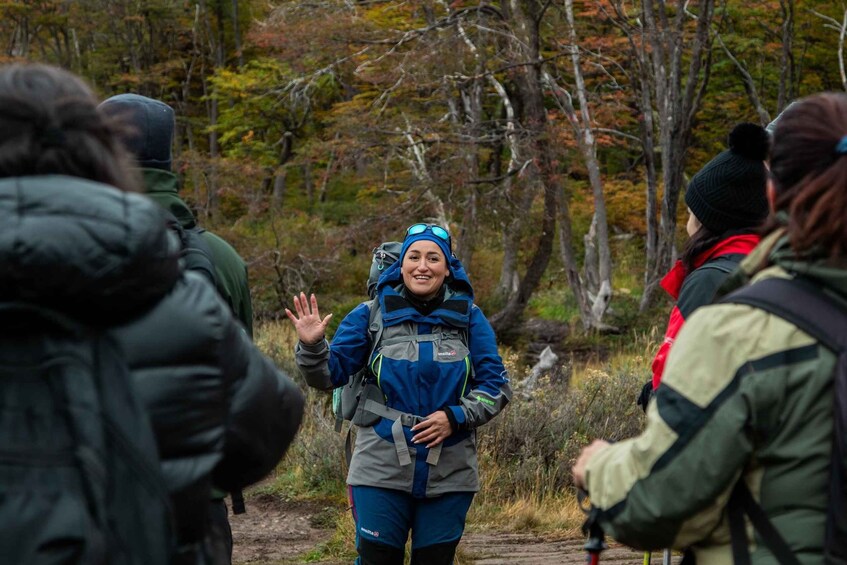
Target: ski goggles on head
<point x="434" y="229"/>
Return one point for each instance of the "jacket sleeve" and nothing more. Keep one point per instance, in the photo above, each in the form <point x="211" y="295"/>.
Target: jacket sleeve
<point x="490" y="390"/>
<point x="668" y="487"/>
<point x="326" y="367"/>
<point x="265" y="410"/>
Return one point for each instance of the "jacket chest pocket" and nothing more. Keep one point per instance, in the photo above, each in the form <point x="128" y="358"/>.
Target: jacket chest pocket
<point x="449" y="348"/>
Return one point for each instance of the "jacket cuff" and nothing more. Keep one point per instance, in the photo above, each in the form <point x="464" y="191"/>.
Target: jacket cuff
<point x="457" y="417"/>
<point x="318" y="347"/>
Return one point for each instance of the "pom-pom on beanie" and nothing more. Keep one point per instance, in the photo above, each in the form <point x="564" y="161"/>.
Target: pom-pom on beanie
<point x="152" y="128"/>
<point x="728" y="193"/>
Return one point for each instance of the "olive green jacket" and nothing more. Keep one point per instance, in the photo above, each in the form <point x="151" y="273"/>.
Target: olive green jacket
<point x="745" y="394"/>
<point x="231" y="270"/>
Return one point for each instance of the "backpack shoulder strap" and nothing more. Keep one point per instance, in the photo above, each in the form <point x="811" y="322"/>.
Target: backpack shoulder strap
<point x="807" y="306"/>
<point x="800" y="302"/>
<point x="198" y="255"/>
<point x="375" y="326"/>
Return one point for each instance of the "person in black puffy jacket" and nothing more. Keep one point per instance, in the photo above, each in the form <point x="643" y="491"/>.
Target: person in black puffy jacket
<point x="74" y="238"/>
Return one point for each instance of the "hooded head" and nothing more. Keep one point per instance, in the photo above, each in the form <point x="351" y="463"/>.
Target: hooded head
<point x="456" y="279"/>
<point x="152" y="128"/>
<point x="729" y="192"/>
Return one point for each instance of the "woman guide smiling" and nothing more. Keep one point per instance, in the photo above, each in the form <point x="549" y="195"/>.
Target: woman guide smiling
<point x="433" y="376"/>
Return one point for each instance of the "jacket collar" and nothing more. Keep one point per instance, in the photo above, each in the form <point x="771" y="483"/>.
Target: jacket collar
<point x="162" y="188"/>
<point x="454" y="310"/>
<point x="775" y="253"/>
<point x="742" y="244"/>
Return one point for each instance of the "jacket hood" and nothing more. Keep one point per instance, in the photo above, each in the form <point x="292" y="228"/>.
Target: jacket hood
<point x="152" y="125"/>
<point x="775" y="250"/>
<point x="817" y="268"/>
<point x="458" y="281"/>
<point x="161" y="186"/>
<point x="83" y="248"/>
<point x="454" y="310"/>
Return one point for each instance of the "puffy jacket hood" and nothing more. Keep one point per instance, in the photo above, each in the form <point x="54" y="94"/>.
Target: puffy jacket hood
<point x="83" y="248"/>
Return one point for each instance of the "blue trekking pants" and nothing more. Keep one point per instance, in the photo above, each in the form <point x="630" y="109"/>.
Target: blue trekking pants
<point x="384" y="517"/>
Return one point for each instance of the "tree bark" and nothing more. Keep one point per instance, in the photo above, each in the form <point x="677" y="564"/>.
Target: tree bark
<point x="528" y="82"/>
<point x="662" y="66"/>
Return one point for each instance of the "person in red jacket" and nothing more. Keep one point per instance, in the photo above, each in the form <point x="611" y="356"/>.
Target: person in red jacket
<point x="726" y="205"/>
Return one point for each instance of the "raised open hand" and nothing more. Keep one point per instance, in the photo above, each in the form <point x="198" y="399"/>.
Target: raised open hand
<point x="308" y="323"/>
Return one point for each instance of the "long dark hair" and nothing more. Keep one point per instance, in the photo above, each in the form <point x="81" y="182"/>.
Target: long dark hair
<point x="703" y="240"/>
<point x="50" y="124"/>
<point x="810" y="175"/>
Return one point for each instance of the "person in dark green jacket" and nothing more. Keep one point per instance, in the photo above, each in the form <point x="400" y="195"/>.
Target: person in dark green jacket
<point x="150" y="143"/>
<point x="746" y="395"/>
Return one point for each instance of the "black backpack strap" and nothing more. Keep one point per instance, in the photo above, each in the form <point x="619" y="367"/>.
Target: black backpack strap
<point x="807" y="306"/>
<point x="237" y="498"/>
<point x="742" y="502"/>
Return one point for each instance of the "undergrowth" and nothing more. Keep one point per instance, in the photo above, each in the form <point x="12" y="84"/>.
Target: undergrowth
<point x="525" y="454"/>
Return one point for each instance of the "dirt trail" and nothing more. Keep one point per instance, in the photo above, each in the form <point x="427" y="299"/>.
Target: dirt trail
<point x="275" y="532"/>
<point x="501" y="548"/>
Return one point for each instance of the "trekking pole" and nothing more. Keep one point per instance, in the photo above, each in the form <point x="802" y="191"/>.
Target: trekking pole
<point x="647" y="557"/>
<point x="595" y="545"/>
<point x="666" y="557"/>
<point x="596" y="537"/>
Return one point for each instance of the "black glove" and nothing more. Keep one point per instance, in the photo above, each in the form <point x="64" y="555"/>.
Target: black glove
<point x="645" y="395"/>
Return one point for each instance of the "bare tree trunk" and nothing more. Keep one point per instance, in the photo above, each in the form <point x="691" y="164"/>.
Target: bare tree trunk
<point x="236" y="33"/>
<point x="569" y="261"/>
<point x="787" y="71"/>
<point x="472" y="103"/>
<point x="308" y="184"/>
<point x="841" y="27"/>
<point x="278" y="189"/>
<point x="528" y="82"/>
<point x="661" y="65"/>
<point x="507" y="288"/>
<point x="749" y="85"/>
<point x="216" y="48"/>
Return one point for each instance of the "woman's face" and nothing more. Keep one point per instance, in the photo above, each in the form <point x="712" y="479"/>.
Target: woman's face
<point x="693" y="225"/>
<point x="424" y="269"/>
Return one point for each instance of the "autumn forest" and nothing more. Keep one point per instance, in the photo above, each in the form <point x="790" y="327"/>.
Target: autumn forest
<point x="553" y="137"/>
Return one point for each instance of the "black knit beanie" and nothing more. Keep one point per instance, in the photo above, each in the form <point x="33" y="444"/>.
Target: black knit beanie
<point x="152" y="124"/>
<point x="729" y="192"/>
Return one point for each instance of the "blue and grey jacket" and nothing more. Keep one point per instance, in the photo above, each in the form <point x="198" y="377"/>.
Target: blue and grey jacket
<point x="423" y="363"/>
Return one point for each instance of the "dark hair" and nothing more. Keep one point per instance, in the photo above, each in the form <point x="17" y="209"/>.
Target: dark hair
<point x="702" y="240"/>
<point x="50" y="124"/>
<point x="810" y="176"/>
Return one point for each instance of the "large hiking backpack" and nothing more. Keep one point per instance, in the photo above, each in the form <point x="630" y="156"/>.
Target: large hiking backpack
<point x="808" y="307"/>
<point x="80" y="480"/>
<point x="345" y="398"/>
